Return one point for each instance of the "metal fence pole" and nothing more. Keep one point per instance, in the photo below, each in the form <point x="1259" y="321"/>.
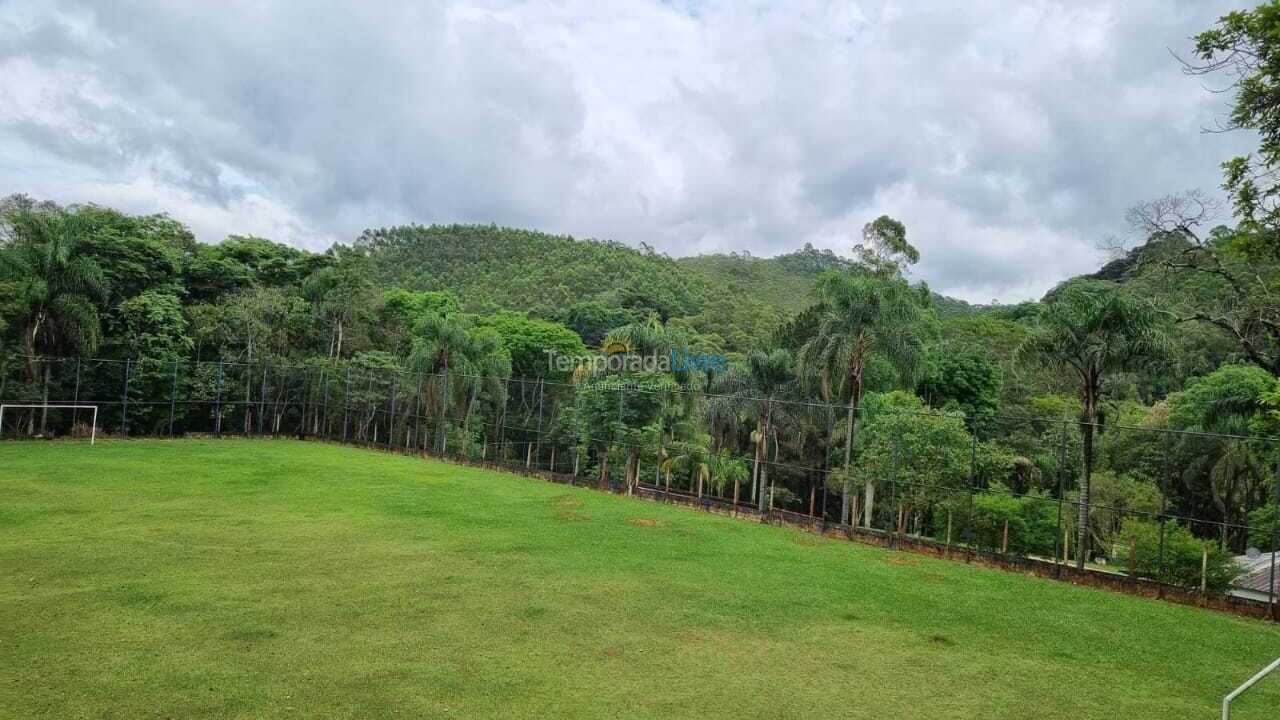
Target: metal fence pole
<point x="893" y="489"/>
<point x="173" y="397"/>
<point x="973" y="489"/>
<point x="124" y="400"/>
<point x="324" y="403"/>
<point x="262" y="400"/>
<point x="622" y="391"/>
<point x="306" y="403"/>
<point x="417" y="414"/>
<point x="1275" y="548"/>
<point x="1057" y="537"/>
<point x="502" y="422"/>
<point x="537" y="450"/>
<point x="217" y="402"/>
<point x="346" y="404"/>
<point x="391" y="413"/>
<point x="76" y="396"/>
<point x="1164" y="494"/>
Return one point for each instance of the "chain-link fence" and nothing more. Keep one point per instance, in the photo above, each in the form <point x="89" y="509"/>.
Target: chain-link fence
<point x="1185" y="514"/>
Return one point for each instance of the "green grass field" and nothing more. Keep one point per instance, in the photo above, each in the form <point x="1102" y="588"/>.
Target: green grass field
<point x="264" y="579"/>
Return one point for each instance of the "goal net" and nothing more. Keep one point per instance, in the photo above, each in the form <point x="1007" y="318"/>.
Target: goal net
<point x="38" y="413"/>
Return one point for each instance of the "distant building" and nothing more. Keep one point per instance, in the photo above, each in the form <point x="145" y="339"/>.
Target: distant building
<point x="1256" y="575"/>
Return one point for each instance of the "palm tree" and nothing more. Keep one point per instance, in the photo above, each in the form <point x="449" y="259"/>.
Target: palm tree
<point x="727" y="468"/>
<point x="56" y="288"/>
<point x="690" y="456"/>
<point x="858" y="315"/>
<point x="751" y="391"/>
<point x="651" y="341"/>
<point x="1093" y="330"/>
<point x="441" y="343"/>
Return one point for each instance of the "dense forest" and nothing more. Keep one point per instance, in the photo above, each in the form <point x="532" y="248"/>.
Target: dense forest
<point x="1141" y="395"/>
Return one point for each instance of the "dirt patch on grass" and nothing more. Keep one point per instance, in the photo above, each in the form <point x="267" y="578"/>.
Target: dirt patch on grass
<point x="941" y="641"/>
<point x="571" y="516"/>
<point x="646" y="522"/>
<point x="901" y="561"/>
<point x="567" y="501"/>
<point x="806" y="541"/>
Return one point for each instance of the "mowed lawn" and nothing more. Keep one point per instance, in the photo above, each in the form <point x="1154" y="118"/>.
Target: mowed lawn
<point x="264" y="579"/>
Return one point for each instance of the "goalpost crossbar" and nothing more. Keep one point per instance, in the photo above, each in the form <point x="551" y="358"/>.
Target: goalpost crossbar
<point x="93" y="429"/>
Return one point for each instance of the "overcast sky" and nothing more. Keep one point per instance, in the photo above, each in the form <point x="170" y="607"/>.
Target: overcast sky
<point x="1008" y="136"/>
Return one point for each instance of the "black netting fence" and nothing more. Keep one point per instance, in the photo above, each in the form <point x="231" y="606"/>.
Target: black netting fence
<point x="1111" y="503"/>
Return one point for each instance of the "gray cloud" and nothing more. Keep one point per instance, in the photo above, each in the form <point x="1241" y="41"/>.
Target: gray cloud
<point x="1010" y="137"/>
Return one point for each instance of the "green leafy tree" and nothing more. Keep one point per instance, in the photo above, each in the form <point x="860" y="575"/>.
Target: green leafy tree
<point x="1229" y="401"/>
<point x="534" y="344"/>
<point x="965" y="380"/>
<point x="342" y="296"/>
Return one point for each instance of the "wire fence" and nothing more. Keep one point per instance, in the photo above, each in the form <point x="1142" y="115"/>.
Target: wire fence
<point x="1003" y="489"/>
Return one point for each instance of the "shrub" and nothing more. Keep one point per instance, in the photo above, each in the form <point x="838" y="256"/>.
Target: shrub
<point x="1183" y="554"/>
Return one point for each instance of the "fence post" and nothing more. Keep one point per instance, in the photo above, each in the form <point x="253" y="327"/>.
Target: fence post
<point x="1057" y="537"/>
<point x="1164" y="492"/>
<point x="306" y="403"/>
<point x="322" y="417"/>
<point x="262" y="401"/>
<point x="500" y="455"/>
<point x="537" y="451"/>
<point x="217" y="402"/>
<point x="76" y="397"/>
<point x="124" y="410"/>
<point x="1275" y="548"/>
<point x="373" y="413"/>
<point x="893" y="488"/>
<point x="346" y="403"/>
<point x="626" y="469"/>
<point x="417" y="415"/>
<point x="391" y="413"/>
<point x="973" y="489"/>
<point x="441" y="441"/>
<point x="173" y="397"/>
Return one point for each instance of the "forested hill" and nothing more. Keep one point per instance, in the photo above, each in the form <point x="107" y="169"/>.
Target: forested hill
<point x="494" y="268"/>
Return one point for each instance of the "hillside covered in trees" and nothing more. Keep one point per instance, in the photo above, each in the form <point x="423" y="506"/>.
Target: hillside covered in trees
<point x="1063" y="399"/>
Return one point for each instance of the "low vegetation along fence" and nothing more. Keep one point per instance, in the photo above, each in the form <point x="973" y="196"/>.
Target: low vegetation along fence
<point x="998" y="490"/>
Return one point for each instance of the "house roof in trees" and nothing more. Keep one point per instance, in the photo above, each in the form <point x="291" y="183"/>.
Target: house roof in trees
<point x="1257" y="572"/>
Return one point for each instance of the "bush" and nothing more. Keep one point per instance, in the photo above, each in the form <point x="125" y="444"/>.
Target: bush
<point x="1032" y="521"/>
<point x="1183" y="554"/>
<point x="1262" y="528"/>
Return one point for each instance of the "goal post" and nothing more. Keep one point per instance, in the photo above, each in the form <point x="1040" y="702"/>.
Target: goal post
<point x="93" y="429"/>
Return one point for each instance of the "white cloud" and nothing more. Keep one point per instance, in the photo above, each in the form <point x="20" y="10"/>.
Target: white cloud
<point x="1008" y="136"/>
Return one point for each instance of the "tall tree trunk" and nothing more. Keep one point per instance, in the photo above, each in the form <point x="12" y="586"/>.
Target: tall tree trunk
<point x="850" y="434"/>
<point x="764" y="467"/>
<point x="444" y="407"/>
<point x="44" y="411"/>
<point x="604" y="468"/>
<point x="755" y="465"/>
<point x="869" y="502"/>
<point x="1087" y="427"/>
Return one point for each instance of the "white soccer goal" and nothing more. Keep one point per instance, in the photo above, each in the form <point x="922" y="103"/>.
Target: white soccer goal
<point x="93" y="429"/>
<point x="1226" y="702"/>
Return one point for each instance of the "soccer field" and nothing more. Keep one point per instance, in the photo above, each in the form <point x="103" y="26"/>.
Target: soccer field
<point x="268" y="579"/>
